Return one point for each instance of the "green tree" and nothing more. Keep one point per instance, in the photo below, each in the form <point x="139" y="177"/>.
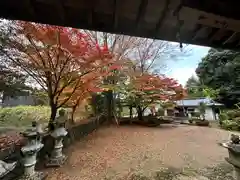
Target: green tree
<point x="210" y="93"/>
<point x="40" y="97"/>
<point x="219" y="70"/>
<point x="97" y="103"/>
<point x="12" y="83"/>
<point x="194" y="87"/>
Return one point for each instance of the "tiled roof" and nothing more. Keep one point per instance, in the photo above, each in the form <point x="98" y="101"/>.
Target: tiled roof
<point x="197" y="101"/>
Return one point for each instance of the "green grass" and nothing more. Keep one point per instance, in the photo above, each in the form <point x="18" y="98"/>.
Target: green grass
<point x="125" y="112"/>
<point x="22" y="116"/>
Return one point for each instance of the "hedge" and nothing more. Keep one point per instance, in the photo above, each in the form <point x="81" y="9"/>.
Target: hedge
<point x="22" y="116"/>
<point x="230" y="125"/>
<point x="230" y="120"/>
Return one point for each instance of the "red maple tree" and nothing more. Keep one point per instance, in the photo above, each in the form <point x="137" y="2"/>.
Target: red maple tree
<point x="148" y="90"/>
<point x="57" y="58"/>
<point x="90" y="83"/>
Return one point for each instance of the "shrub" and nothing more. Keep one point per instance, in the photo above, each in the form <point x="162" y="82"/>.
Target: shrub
<point x="237" y="113"/>
<point x="195" y="119"/>
<point x="233" y="113"/>
<point x="237" y="119"/>
<point x="223" y="116"/>
<point x="166" y="120"/>
<point x="160" y="112"/>
<point x="196" y="114"/>
<point x="230" y="125"/>
<point x="202" y="123"/>
<point x="21" y="116"/>
<point x="230" y="120"/>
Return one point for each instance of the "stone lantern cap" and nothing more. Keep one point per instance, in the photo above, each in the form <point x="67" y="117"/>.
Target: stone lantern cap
<point x="60" y="119"/>
<point x="234" y="144"/>
<point x="233" y="147"/>
<point x="36" y="129"/>
<point x="29" y="133"/>
<point x="33" y="144"/>
<point x="59" y="123"/>
<point x="32" y="148"/>
<point x="59" y="132"/>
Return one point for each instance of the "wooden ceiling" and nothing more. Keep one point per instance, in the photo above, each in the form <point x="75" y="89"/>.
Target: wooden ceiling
<point x="214" y="23"/>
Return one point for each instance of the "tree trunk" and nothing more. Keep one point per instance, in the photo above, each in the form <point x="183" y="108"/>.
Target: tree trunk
<point x="119" y="107"/>
<point x="72" y="115"/>
<point x="109" y="105"/>
<point x="140" y="113"/>
<point x="130" y="112"/>
<point x="3" y="98"/>
<point x="52" y="118"/>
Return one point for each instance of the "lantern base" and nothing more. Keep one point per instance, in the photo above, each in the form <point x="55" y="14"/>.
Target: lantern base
<point x="56" y="162"/>
<point x="36" y="176"/>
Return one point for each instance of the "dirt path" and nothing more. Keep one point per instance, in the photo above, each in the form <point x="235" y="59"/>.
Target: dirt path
<point x="117" y="152"/>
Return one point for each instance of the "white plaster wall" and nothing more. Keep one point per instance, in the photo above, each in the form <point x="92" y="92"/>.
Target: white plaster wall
<point x="147" y="112"/>
<point x="209" y="114"/>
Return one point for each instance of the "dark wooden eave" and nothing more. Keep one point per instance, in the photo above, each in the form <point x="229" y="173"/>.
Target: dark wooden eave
<point x="214" y="23"/>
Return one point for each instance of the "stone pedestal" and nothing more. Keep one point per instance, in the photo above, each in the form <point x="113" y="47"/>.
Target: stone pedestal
<point x="237" y="173"/>
<point x="236" y="169"/>
<point x="234" y="154"/>
<point x="57" y="158"/>
<point x="30" y="151"/>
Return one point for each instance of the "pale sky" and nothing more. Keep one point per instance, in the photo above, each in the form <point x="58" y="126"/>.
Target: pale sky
<point x="185" y="67"/>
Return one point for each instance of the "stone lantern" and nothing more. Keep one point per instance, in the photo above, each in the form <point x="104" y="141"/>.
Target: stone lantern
<point x="234" y="153"/>
<point x="57" y="158"/>
<point x="30" y="150"/>
<point x="6" y="168"/>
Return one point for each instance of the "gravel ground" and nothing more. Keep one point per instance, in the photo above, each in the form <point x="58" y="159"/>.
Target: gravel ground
<point x="142" y="153"/>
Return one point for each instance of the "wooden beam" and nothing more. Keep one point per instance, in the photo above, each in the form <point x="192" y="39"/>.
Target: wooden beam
<point x="30" y="7"/>
<point x="61" y="11"/>
<point x="214" y="34"/>
<point x="234" y="34"/>
<point x="238" y="43"/>
<point x="115" y="13"/>
<point x="141" y="12"/>
<point x="91" y="12"/>
<point x="196" y="31"/>
<point x="162" y="16"/>
<point x="177" y="9"/>
<point x="224" y="8"/>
